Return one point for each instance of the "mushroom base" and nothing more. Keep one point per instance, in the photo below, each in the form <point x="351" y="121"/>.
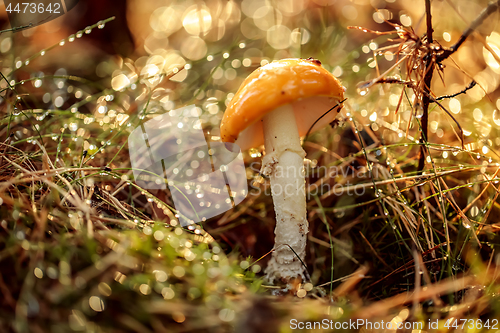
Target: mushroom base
<point x="284" y="164"/>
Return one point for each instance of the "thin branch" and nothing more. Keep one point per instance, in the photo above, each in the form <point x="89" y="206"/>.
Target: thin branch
<point x="470" y="86"/>
<point x="428" y="18"/>
<point x="492" y="7"/>
<point x="429" y="71"/>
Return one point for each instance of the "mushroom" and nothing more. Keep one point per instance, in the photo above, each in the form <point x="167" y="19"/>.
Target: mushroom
<point x="276" y="105"/>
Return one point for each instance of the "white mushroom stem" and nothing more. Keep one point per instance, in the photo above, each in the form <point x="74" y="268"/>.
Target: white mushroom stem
<point x="284" y="164"/>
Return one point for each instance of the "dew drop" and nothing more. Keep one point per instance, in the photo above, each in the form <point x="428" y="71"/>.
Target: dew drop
<point x="362" y="92"/>
<point x="420" y="112"/>
<point x="101" y="24"/>
<point x="339" y="214"/>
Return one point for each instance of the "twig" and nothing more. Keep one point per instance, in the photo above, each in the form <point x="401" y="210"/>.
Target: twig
<point x="428" y="18"/>
<point x="479" y="37"/>
<point x="429" y="71"/>
<point x="492" y="7"/>
<point x="470" y="86"/>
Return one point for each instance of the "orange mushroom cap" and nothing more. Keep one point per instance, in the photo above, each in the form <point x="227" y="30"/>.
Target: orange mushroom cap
<point x="304" y="83"/>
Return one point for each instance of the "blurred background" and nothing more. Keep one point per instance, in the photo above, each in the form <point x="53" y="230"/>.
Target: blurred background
<point x="218" y="43"/>
<point x="222" y="41"/>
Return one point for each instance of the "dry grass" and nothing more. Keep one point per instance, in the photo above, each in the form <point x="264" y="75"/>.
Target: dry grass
<point x="84" y="248"/>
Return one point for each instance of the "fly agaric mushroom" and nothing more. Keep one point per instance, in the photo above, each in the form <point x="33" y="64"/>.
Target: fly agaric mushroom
<point x="276" y="105"/>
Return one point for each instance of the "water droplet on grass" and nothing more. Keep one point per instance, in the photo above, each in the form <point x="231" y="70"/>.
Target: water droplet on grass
<point x="362" y="92"/>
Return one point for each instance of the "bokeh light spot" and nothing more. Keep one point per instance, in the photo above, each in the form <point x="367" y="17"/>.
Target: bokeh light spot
<point x="96" y="304"/>
<point x="278" y="37"/>
<point x="197" y="21"/>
